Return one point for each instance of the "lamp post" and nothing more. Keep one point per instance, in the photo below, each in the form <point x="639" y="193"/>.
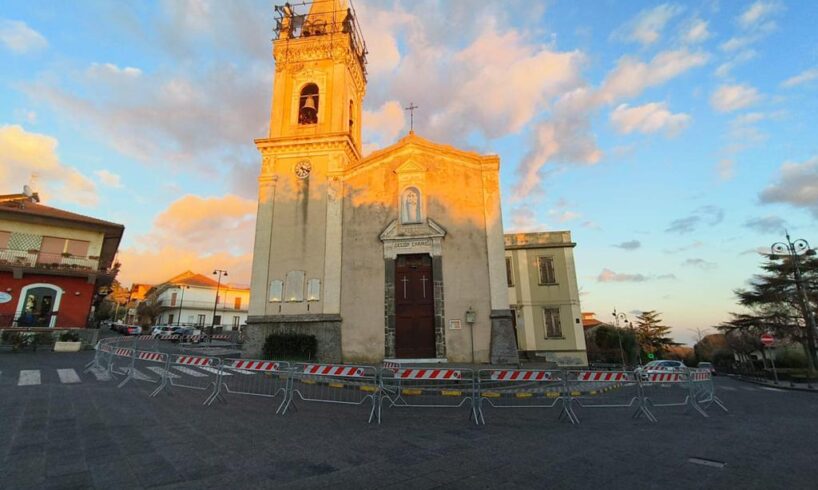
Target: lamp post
<point x="181" y="300"/>
<point x="795" y="249"/>
<point x="617" y="317"/>
<point x="220" y="273"/>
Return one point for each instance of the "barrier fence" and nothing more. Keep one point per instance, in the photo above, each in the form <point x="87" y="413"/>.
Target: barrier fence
<point x="399" y="386"/>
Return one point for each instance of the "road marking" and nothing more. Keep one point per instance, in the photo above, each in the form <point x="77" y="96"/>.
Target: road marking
<point x="212" y="370"/>
<point x="770" y="389"/>
<point x="747" y="388"/>
<point x="68" y="376"/>
<point x="707" y="462"/>
<point x="241" y="371"/>
<point x="29" y="377"/>
<point x="162" y="372"/>
<point x="100" y="374"/>
<point x="191" y="372"/>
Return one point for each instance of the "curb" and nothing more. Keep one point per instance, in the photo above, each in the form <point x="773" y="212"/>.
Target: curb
<point x="773" y="385"/>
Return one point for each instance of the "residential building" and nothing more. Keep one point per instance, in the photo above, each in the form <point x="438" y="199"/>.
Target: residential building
<point x="543" y="292"/>
<point x="55" y="265"/>
<point x="189" y="299"/>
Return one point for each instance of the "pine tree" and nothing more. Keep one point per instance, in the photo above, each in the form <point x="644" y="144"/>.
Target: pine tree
<point x="651" y="334"/>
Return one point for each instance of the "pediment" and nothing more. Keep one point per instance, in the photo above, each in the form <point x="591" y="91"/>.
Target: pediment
<point x="410" y="167"/>
<point x="427" y="229"/>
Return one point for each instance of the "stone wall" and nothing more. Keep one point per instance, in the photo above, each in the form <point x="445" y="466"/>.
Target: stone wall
<point x="325" y="328"/>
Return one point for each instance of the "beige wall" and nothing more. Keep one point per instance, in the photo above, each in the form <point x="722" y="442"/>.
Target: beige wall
<point x="529" y="297"/>
<point x="95" y="238"/>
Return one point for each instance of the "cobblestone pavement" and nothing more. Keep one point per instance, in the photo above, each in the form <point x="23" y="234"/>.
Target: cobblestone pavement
<point x="62" y="431"/>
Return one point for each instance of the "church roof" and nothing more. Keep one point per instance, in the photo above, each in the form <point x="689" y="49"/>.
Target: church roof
<point x="190" y="278"/>
<point x="413" y="140"/>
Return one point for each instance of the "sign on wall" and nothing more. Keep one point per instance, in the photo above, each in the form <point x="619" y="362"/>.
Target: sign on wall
<point x="4" y="297"/>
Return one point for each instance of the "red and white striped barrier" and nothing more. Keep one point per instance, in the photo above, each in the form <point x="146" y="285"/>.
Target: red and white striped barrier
<point x="602" y="376"/>
<point x="665" y="377"/>
<point x="152" y="356"/>
<point x="255" y="365"/>
<point x="391" y="365"/>
<point x="193" y="361"/>
<point x="515" y="375"/>
<point x="168" y="337"/>
<point x="330" y="370"/>
<point x="428" y="374"/>
<point x="122" y="352"/>
<point x="700" y="376"/>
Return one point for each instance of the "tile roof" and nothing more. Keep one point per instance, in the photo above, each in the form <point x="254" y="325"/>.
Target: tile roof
<point x="29" y="208"/>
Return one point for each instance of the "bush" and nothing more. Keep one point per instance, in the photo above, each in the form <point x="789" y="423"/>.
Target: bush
<point x="289" y="346"/>
<point x="69" y="337"/>
<point x="723" y="358"/>
<point x="790" y="359"/>
<point x="43" y="338"/>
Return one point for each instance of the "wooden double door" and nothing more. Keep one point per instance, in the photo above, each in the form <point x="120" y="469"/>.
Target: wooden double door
<point x="414" y="307"/>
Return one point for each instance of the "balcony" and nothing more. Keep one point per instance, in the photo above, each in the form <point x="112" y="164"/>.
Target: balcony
<point x="202" y="305"/>
<point x="34" y="259"/>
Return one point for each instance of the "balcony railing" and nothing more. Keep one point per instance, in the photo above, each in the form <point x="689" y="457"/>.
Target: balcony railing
<point x="203" y="305"/>
<point x="39" y="260"/>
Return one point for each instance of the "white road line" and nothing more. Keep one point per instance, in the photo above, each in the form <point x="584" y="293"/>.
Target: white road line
<point x="747" y="388"/>
<point x="212" y="370"/>
<point x="138" y="375"/>
<point x="100" y="374"/>
<point x="162" y="372"/>
<point x="241" y="371"/>
<point x="29" y="377"/>
<point x="770" y="389"/>
<point x="191" y="372"/>
<point x="68" y="376"/>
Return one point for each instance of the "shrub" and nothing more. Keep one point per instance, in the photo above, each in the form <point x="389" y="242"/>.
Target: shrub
<point x="790" y="359"/>
<point x="44" y="338"/>
<point x="289" y="346"/>
<point x="69" y="337"/>
<point x="723" y="358"/>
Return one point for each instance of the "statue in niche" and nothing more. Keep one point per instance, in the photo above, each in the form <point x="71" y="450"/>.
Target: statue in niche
<point x="410" y="206"/>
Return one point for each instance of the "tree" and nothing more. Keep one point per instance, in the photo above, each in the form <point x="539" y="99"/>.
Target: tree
<point x="603" y="345"/>
<point x="651" y="334"/>
<point x="147" y="311"/>
<point x="708" y="345"/>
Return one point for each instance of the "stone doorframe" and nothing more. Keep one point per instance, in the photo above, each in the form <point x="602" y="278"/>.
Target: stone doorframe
<point x="406" y="239"/>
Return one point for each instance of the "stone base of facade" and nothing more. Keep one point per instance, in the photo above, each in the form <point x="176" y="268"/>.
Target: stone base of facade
<point x="557" y="359"/>
<point x="503" y="338"/>
<point x="325" y="328"/>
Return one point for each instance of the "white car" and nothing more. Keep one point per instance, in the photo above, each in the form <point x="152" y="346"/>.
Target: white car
<point x="661" y="366"/>
<point x="161" y="330"/>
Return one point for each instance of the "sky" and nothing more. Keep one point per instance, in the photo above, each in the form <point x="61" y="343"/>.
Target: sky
<point x="674" y="140"/>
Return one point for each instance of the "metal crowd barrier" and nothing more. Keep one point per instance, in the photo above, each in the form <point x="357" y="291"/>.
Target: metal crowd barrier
<point x="194" y="372"/>
<point x="704" y="390"/>
<point x="523" y="388"/>
<point x="335" y="383"/>
<point x="254" y="377"/>
<point x="429" y="388"/>
<point x="144" y="367"/>
<point x="666" y="389"/>
<point x="588" y="389"/>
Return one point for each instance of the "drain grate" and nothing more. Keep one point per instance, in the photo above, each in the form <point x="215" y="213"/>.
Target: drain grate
<point x="708" y="462"/>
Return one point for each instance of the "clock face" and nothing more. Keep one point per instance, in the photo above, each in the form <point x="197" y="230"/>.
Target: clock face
<point x="302" y="169"/>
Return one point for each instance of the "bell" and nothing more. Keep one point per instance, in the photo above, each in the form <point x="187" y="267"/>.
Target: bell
<point x="310" y="103"/>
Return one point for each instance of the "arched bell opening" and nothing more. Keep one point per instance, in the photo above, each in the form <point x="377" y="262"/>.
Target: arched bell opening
<point x="308" y="105"/>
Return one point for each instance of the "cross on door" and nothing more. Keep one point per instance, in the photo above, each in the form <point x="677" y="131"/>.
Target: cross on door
<point x="405" y="281"/>
<point x="423" y="281"/>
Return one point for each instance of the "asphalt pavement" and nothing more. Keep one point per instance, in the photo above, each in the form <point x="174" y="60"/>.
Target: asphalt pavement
<point x="63" y="428"/>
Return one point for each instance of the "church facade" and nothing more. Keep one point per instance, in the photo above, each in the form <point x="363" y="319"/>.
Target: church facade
<point x="399" y="254"/>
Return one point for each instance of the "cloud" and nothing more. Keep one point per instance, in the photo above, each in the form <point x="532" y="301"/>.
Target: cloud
<point x="23" y="153"/>
<point x="725" y="68"/>
<point x="695" y="31"/>
<point x="106" y="70"/>
<point x="756" y="251"/>
<point x="19" y="38"/>
<point x="525" y="220"/>
<point x="797" y="186"/>
<point x="607" y="275"/>
<point x="629" y="245"/>
<point x="766" y="224"/>
<point x="648" y="118"/>
<point x="699" y="264"/>
<point x="631" y="76"/>
<point x="728" y="98"/>
<point x="726" y="168"/>
<point x="194" y="233"/>
<point x="803" y="77"/>
<point x="108" y="179"/>
<point x="384" y="124"/>
<point x="709" y="215"/>
<point x="646" y="28"/>
<point x="757" y="13"/>
<point x="695" y="244"/>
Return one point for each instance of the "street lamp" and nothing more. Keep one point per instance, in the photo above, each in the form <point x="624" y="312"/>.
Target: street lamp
<point x="617" y="317"/>
<point x="181" y="300"/>
<point x="220" y="273"/>
<point x="795" y="249"/>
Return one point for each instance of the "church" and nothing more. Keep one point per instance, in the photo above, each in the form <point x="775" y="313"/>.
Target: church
<point x="394" y="255"/>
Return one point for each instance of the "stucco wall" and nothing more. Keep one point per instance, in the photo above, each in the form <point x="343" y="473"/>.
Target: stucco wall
<point x="73" y="309"/>
<point x="94" y="238"/>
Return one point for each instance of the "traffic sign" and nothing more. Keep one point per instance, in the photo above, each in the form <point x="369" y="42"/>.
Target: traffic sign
<point x="767" y="339"/>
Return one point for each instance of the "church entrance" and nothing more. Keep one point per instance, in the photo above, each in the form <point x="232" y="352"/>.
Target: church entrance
<point x="414" y="307"/>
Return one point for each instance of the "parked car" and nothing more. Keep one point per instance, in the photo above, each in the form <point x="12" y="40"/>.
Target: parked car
<point x="133" y="330"/>
<point x="709" y="366"/>
<point x="660" y="366"/>
<point x="161" y="330"/>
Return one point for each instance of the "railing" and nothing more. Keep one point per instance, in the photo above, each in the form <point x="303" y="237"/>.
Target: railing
<point x="41" y="260"/>
<point x="203" y="305"/>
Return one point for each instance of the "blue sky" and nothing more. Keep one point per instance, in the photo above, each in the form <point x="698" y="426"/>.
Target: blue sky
<point x="673" y="139"/>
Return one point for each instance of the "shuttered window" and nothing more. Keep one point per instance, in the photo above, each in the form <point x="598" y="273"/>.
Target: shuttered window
<point x="509" y="272"/>
<point x="546" y="268"/>
<point x="551" y="317"/>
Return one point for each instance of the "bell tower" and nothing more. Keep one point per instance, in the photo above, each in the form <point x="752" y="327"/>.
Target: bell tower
<point x="314" y="135"/>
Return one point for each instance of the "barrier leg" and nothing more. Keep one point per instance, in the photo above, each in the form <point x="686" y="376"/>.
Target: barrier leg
<point x="130" y="375"/>
<point x="217" y="389"/>
<point x="642" y="409"/>
<point x="163" y="381"/>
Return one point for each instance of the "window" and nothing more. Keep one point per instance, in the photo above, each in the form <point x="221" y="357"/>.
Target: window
<point x="77" y="248"/>
<point x="200" y="320"/>
<point x="546" y="268"/>
<point x="5" y="236"/>
<point x="551" y="317"/>
<point x="308" y="105"/>
<point x="236" y="320"/>
<point x="173" y="299"/>
<point x="217" y="320"/>
<point x="170" y="319"/>
<point x="237" y="303"/>
<point x="509" y="273"/>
